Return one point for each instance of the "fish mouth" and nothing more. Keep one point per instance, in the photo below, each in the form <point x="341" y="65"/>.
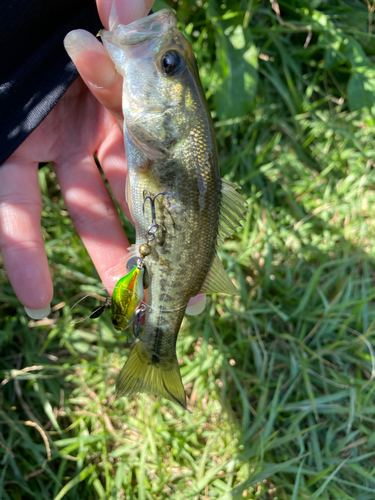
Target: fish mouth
<point x="148" y="27"/>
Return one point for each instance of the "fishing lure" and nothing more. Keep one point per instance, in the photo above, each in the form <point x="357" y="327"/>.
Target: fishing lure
<point x="126" y="303"/>
<point x="127" y="297"/>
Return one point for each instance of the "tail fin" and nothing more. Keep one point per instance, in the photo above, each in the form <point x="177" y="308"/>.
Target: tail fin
<point x="140" y="375"/>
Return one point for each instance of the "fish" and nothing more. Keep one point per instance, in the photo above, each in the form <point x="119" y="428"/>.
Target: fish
<point x="178" y="201"/>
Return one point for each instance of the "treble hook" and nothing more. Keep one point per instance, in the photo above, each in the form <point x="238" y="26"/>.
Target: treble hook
<point x="152" y="228"/>
<point x="137" y="325"/>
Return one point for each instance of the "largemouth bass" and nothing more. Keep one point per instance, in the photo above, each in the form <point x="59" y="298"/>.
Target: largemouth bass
<point x="171" y="149"/>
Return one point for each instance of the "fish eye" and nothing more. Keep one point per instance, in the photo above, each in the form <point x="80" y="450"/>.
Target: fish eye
<point x="172" y="63"/>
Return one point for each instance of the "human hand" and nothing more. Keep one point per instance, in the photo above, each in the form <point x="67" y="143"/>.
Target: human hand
<point x="84" y="122"/>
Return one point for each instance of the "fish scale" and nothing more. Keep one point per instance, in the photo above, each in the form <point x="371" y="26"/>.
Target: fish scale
<point x="171" y="149"/>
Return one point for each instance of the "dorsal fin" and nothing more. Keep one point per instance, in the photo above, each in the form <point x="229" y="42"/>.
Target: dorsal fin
<point x="232" y="209"/>
<point x="217" y="280"/>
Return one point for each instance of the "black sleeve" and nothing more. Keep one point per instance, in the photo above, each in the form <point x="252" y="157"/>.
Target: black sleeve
<point x="35" y="69"/>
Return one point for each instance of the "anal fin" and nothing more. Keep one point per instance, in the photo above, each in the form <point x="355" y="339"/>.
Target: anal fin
<point x="217" y="280"/>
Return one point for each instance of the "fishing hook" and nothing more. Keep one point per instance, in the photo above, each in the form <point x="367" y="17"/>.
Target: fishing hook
<point x="153" y="227"/>
<point x="137" y="325"/>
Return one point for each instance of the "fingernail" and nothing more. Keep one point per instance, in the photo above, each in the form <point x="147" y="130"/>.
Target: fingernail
<point x="196" y="305"/>
<point x="38" y="313"/>
<point x="114" y="20"/>
<point x="77" y="41"/>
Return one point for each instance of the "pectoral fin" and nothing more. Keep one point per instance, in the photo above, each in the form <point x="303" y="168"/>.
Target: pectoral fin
<point x="128" y="197"/>
<point x="217" y="280"/>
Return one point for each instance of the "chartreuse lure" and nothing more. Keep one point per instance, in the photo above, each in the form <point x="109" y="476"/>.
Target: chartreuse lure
<point x="126" y="299"/>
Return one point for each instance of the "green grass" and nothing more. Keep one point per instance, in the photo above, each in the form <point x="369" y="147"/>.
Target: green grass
<point x="280" y="379"/>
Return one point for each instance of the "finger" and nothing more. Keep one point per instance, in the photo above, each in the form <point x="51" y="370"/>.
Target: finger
<point x="111" y="155"/>
<point x="21" y="241"/>
<point x="94" y="216"/>
<point x="115" y="12"/>
<point x="96" y="69"/>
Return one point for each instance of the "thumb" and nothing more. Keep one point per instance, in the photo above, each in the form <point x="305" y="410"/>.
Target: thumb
<point x="115" y="12"/>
